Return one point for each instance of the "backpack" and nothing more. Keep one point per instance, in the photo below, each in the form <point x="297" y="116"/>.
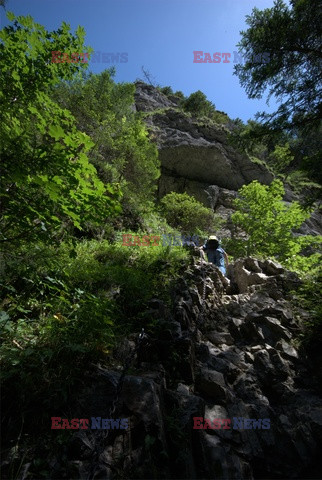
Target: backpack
<point x="215" y="253"/>
<point x="219" y="258"/>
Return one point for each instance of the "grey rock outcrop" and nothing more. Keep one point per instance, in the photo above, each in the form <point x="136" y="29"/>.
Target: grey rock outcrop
<point x="194" y="155"/>
<point x="196" y="158"/>
<point x="216" y="357"/>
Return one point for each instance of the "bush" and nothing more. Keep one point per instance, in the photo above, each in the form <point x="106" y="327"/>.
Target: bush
<point x="179" y="94"/>
<point x="220" y="117"/>
<point x="268" y="223"/>
<point x="198" y="105"/>
<point x="187" y="214"/>
<point x="61" y="309"/>
<point x="166" y="90"/>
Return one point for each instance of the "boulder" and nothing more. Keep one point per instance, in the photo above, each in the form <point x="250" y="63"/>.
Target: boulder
<point x="212" y="384"/>
<point x="243" y="277"/>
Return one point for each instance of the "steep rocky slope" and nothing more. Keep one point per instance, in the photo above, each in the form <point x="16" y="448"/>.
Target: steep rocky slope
<point x="196" y="157"/>
<point x="215" y="356"/>
<point x="223" y="357"/>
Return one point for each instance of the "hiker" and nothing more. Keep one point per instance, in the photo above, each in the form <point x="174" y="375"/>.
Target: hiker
<point x="215" y="253"/>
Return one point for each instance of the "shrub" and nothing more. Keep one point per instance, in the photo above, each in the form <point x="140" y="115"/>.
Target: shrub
<point x="179" y="94"/>
<point x="198" y="105"/>
<point x="187" y="214"/>
<point x="268" y="223"/>
<point x="166" y="90"/>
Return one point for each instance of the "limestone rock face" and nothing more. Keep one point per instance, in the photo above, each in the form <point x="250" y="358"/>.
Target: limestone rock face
<point x="196" y="158"/>
<point x="219" y="356"/>
<point x="193" y="155"/>
<point x="148" y="98"/>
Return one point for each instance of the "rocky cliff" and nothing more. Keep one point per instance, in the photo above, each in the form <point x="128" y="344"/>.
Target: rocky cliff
<point x="215" y="357"/>
<point x="196" y="157"/>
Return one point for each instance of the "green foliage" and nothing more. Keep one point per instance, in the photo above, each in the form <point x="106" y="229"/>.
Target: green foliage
<point x="292" y="154"/>
<point x="255" y="139"/>
<point x="198" y="105"/>
<point x="44" y="304"/>
<point x="308" y="296"/>
<point x="301" y="183"/>
<point x="62" y="309"/>
<point x="68" y="299"/>
<point x="69" y="142"/>
<point x="268" y="223"/>
<point x="281" y="158"/>
<point x="187" y="214"/>
<point x="292" y="74"/>
<point x="46" y="177"/>
<point x="258" y="161"/>
<point x="122" y="152"/>
<point x="307" y="149"/>
<point x="51" y="331"/>
<point x="179" y="94"/>
<point x="291" y="36"/>
<point x="170" y="93"/>
<point x="220" y="117"/>
<point x="166" y="90"/>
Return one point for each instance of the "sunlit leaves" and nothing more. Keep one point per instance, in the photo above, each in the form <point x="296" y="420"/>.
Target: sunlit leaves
<point x="121" y="152"/>
<point x="269" y="222"/>
<point x="291" y="36"/>
<point x="46" y="173"/>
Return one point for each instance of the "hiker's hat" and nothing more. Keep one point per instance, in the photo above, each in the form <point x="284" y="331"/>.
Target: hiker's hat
<point x="213" y="237"/>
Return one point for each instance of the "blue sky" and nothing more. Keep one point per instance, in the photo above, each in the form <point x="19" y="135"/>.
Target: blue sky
<point x="160" y="35"/>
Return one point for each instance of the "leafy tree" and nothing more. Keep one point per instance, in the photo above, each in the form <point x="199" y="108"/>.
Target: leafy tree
<point x="292" y="38"/>
<point x="179" y="94"/>
<point x="307" y="151"/>
<point x="254" y="138"/>
<point x="268" y="223"/>
<point x="166" y="90"/>
<point x="46" y="177"/>
<point x="198" y="105"/>
<point x="122" y="151"/>
<point x="292" y="153"/>
<point x="186" y="213"/>
<point x="281" y="158"/>
<point x="220" y="117"/>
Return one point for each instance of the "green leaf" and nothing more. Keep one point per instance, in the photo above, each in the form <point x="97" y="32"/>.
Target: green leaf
<point x="4" y="317"/>
<point x="11" y="16"/>
<point x="56" y="131"/>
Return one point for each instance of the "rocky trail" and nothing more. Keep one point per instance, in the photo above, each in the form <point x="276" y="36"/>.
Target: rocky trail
<point x="231" y="355"/>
